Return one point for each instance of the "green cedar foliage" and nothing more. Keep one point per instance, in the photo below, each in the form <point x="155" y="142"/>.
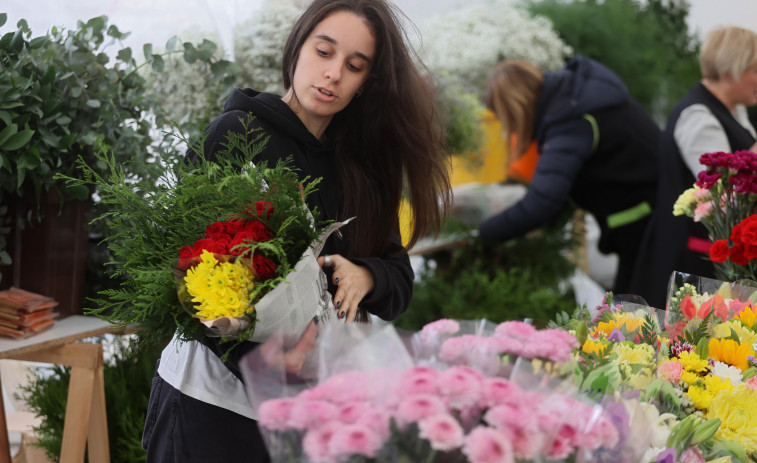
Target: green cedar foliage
<point x="148" y="223"/>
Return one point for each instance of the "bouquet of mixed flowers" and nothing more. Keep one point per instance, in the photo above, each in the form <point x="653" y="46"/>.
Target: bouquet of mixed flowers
<point x="691" y="367"/>
<point x="437" y="396"/>
<point x="215" y="248"/>
<point x="723" y="199"/>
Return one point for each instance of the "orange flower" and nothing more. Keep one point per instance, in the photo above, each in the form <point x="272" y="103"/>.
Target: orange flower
<point x="716" y="302"/>
<point x="748" y="315"/>
<point x="631" y="324"/>
<point x="730" y="352"/>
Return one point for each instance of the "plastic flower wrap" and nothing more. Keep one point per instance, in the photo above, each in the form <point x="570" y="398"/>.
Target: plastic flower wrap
<point x="376" y="397"/>
<point x="235" y="235"/>
<point x="723" y="200"/>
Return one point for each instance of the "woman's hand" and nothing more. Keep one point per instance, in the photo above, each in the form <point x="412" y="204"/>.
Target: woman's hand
<point x="353" y="283"/>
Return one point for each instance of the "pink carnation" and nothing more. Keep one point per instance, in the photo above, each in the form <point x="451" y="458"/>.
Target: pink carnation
<point x="461" y="386"/>
<point x="352" y="411"/>
<point x="703" y="210"/>
<point x="350" y="386"/>
<point x="274" y="414"/>
<point x="308" y="413"/>
<point x="417" y="407"/>
<point x="514" y="329"/>
<point x="316" y="441"/>
<point x="442" y="431"/>
<point x="376" y="421"/>
<point x="355" y="439"/>
<point x="498" y="391"/>
<point x="509" y="346"/>
<point x="670" y="370"/>
<point x="455" y="348"/>
<point x="521" y="428"/>
<point x="487" y="445"/>
<point x="419" y="380"/>
<point x="433" y="330"/>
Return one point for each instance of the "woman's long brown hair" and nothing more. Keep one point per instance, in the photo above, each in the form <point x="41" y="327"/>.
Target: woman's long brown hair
<point x="387" y="138"/>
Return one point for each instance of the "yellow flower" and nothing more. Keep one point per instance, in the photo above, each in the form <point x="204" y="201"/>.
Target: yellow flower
<point x="747" y="315"/>
<point x="219" y="289"/>
<point x="685" y="202"/>
<point x="619" y="321"/>
<point x="700" y="397"/>
<point x="692" y="362"/>
<point x="597" y="348"/>
<point x="730" y="352"/>
<point x="737" y="409"/>
<point x="715" y="384"/>
<point x="746" y="335"/>
<point x="689" y="378"/>
<point x="634" y="354"/>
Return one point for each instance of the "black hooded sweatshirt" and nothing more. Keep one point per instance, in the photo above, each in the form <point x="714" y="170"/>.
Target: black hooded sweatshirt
<point x="288" y="137"/>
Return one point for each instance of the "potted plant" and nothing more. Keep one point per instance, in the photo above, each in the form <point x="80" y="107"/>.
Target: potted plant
<point x="62" y="96"/>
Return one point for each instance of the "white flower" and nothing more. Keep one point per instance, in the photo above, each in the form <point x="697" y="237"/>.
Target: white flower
<point x="725" y="371"/>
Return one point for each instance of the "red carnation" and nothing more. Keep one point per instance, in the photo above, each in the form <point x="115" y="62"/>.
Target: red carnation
<point x="264" y="267"/>
<point x="186" y="256"/>
<point x="259" y="231"/>
<point x="737" y="255"/>
<point x="719" y="251"/>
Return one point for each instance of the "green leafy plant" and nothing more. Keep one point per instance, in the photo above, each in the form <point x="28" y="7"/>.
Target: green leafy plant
<point x="127" y="390"/>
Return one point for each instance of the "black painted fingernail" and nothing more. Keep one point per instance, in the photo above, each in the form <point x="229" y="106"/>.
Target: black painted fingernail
<point x="339" y="314"/>
<point x="338" y="304"/>
<point x="316" y="319"/>
<point x="342" y="314"/>
<point x="336" y="282"/>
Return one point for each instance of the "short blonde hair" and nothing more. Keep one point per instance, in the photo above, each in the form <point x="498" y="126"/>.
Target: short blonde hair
<point x="513" y="95"/>
<point x="727" y="51"/>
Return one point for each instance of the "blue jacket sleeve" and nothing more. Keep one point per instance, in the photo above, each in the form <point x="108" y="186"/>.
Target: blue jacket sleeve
<point x="564" y="151"/>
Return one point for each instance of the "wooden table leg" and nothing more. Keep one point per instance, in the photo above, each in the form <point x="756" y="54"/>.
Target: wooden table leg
<point x="86" y="420"/>
<point x="5" y="446"/>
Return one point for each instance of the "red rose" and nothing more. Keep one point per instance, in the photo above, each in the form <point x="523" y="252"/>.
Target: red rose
<point x="264" y="209"/>
<point x="220" y="247"/>
<point x="719" y="251"/>
<point x="199" y="245"/>
<point x="264" y="267"/>
<point x="233" y="226"/>
<point x="737" y="255"/>
<point x="214" y="228"/>
<point x="241" y="238"/>
<point x="186" y="256"/>
<point x="260" y="232"/>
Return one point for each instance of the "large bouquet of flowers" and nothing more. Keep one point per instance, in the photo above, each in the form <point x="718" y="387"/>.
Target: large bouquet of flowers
<point x="690" y="366"/>
<point x="724" y="200"/>
<point x="213" y="244"/>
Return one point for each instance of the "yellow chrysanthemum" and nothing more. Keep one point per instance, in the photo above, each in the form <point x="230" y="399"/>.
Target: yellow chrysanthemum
<point x="598" y="348"/>
<point x="715" y="384"/>
<point x="692" y="362"/>
<point x="638" y="354"/>
<point x="642" y="379"/>
<point x="689" y="377"/>
<point x="746" y="335"/>
<point x="748" y="316"/>
<point x="219" y="289"/>
<point x="737" y="409"/>
<point x="700" y="397"/>
<point x="730" y="352"/>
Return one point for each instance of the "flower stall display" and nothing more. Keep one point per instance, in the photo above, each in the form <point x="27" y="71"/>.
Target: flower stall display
<point x="693" y="367"/>
<point x="214" y="248"/>
<point x="723" y="199"/>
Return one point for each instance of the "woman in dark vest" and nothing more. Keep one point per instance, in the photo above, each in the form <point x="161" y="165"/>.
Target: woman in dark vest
<point x="712" y="117"/>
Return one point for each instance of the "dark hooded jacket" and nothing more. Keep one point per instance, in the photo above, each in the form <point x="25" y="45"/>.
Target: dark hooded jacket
<point x="598" y="148"/>
<point x="288" y="137"/>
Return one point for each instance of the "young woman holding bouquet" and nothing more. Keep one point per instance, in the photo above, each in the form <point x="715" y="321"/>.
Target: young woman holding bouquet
<point x="711" y="118"/>
<point x="357" y="113"/>
<point x="597" y="148"/>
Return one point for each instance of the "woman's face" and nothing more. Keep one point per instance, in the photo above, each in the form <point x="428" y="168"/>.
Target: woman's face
<point x="746" y="87"/>
<point x="332" y="66"/>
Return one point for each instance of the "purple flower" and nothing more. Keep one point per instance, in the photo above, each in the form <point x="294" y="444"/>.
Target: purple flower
<point x="616" y="336"/>
<point x="667" y="456"/>
<point x="717" y="159"/>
